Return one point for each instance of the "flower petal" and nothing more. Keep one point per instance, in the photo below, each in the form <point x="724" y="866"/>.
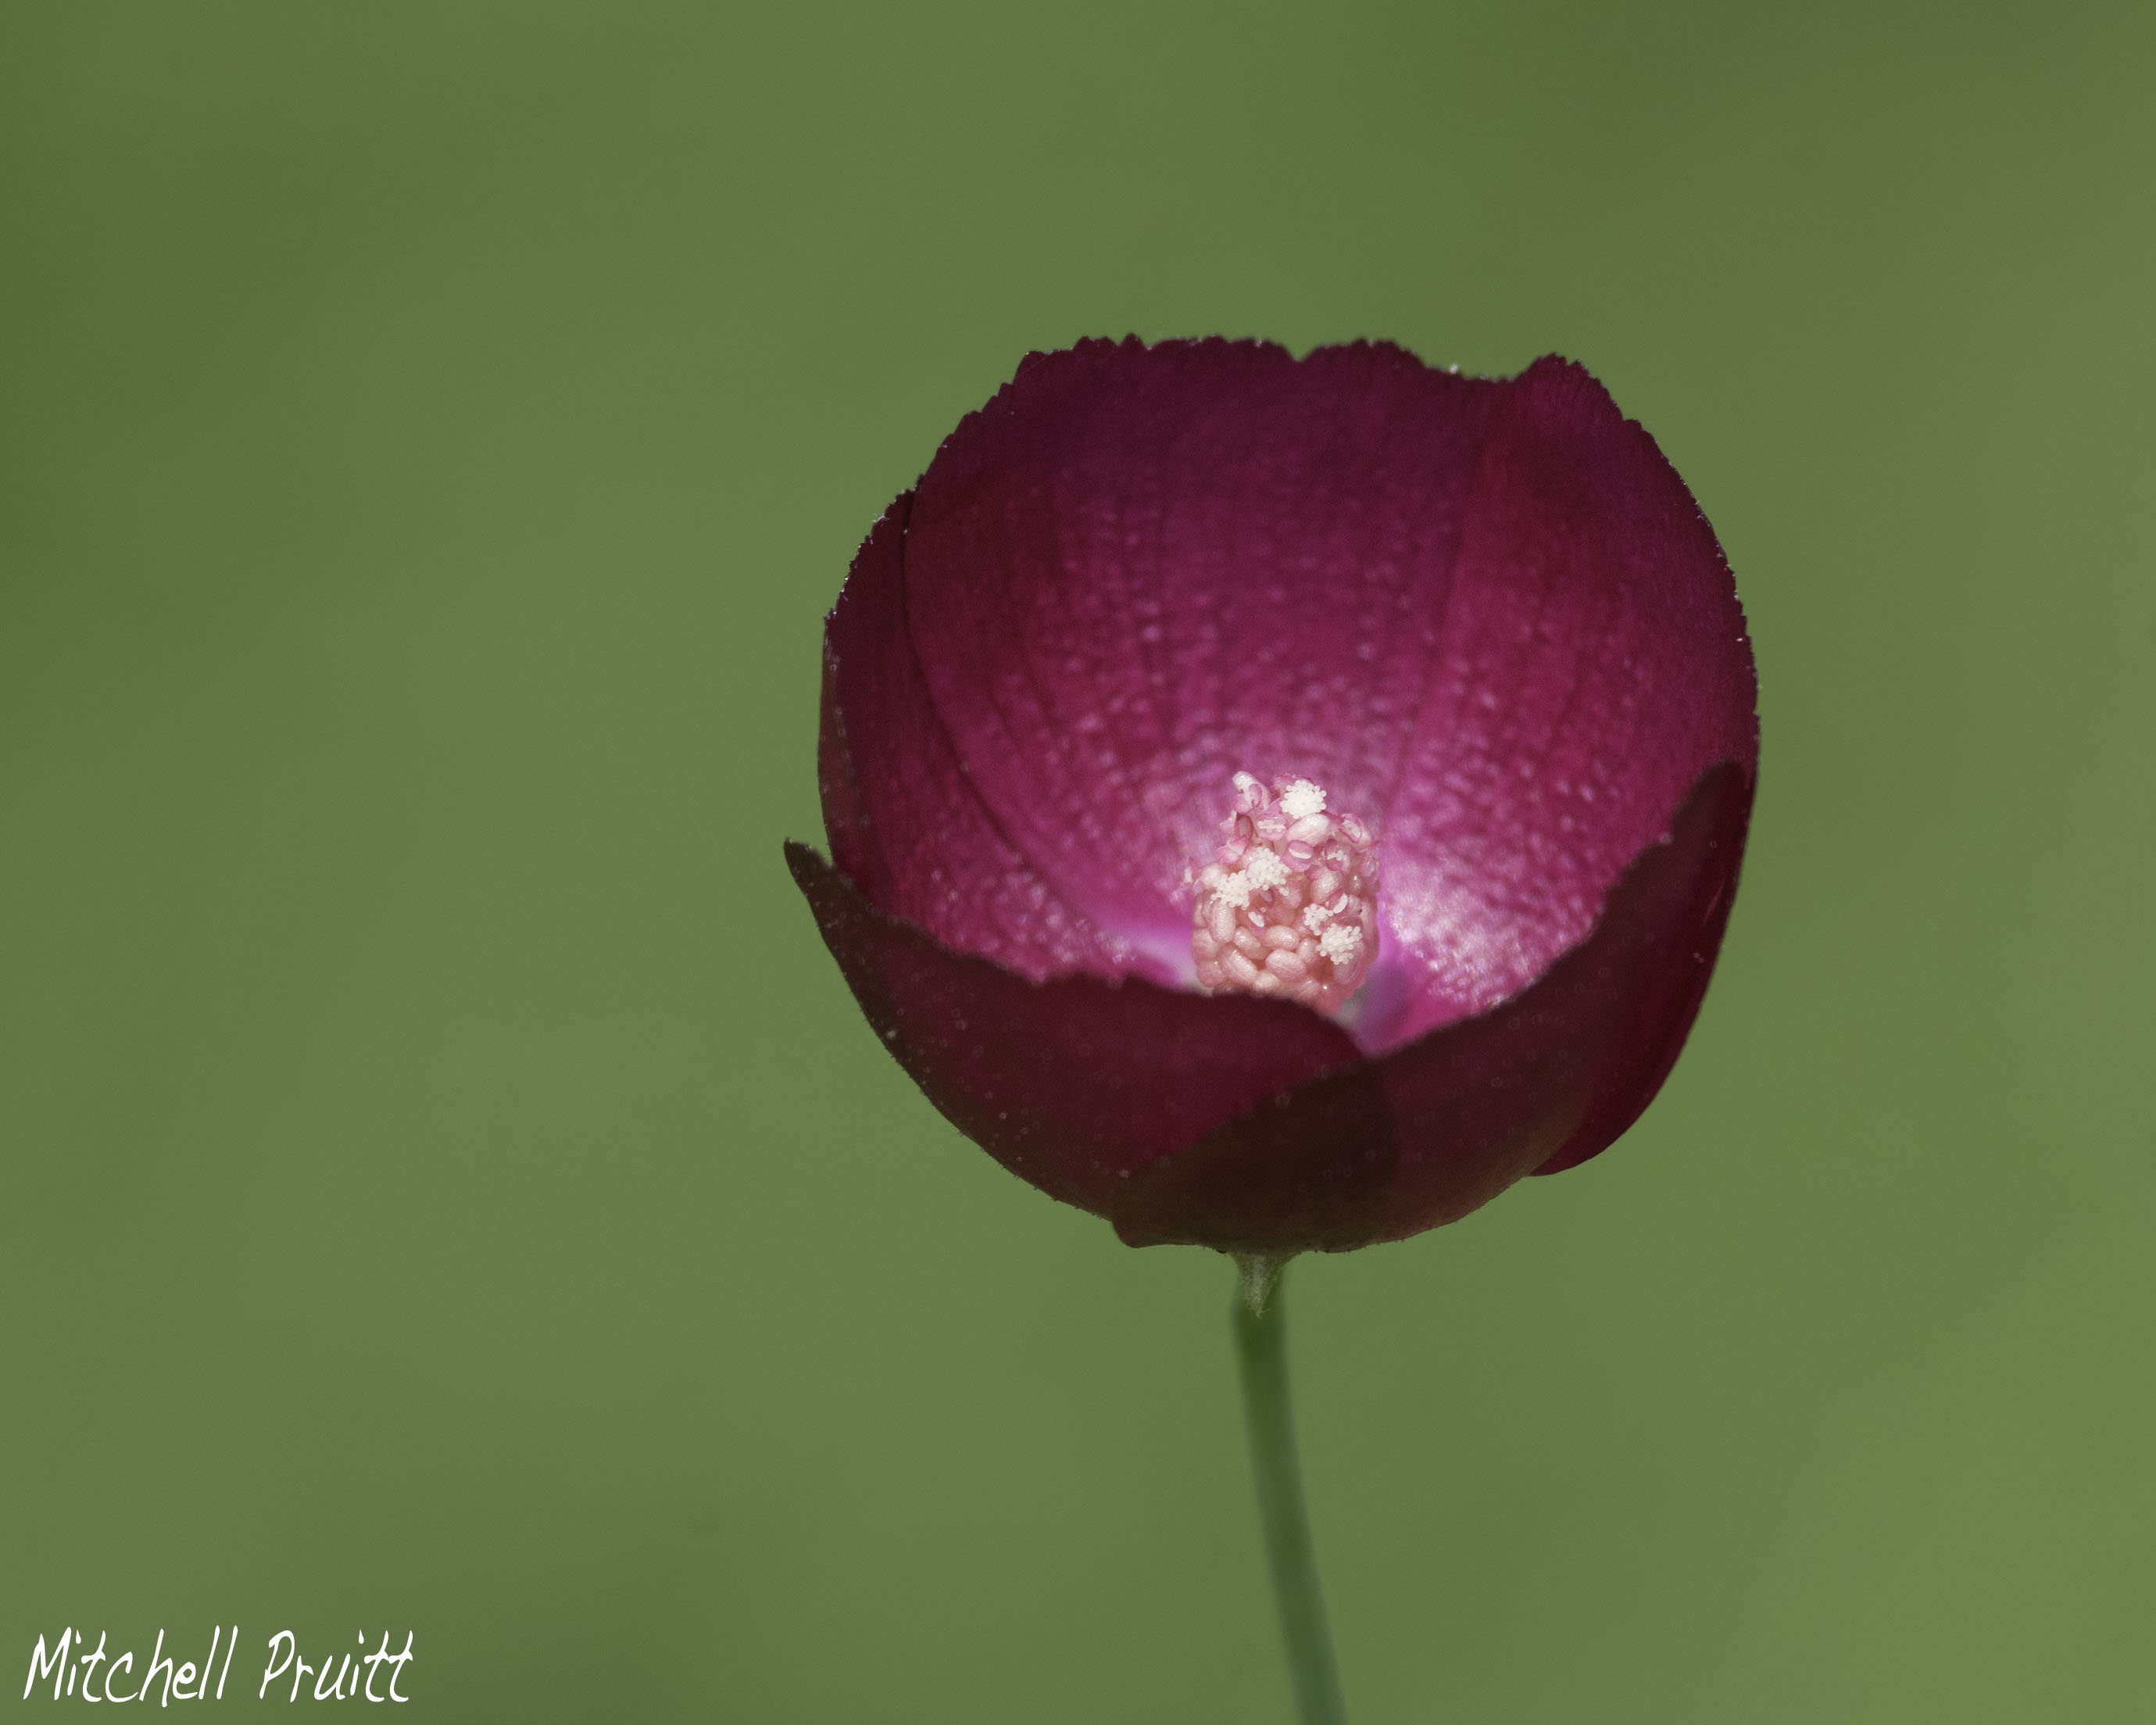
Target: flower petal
<point x="904" y="821"/>
<point x="1429" y="1133"/>
<point x="1071" y="1083"/>
<point x="1138" y="570"/>
<point x="1593" y="664"/>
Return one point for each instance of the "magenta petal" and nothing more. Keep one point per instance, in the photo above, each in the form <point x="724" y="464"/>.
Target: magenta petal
<point x="1593" y="664"/>
<point x="1138" y="570"/>
<point x="1437" y="1129"/>
<point x="1071" y="1083"/>
<point x="905" y="823"/>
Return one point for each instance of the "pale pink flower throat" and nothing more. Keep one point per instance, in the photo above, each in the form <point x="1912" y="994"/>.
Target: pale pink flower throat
<point x="1289" y="905"/>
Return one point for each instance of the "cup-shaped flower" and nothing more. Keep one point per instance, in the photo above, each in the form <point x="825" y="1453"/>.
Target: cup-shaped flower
<point x="1278" y="804"/>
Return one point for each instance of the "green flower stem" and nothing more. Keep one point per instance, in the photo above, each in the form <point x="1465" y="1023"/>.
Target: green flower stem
<point x="1261" y="1346"/>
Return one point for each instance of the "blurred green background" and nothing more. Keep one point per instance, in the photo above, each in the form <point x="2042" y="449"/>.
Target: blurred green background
<point x="447" y="1184"/>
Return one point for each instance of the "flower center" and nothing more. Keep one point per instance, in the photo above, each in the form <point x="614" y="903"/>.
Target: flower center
<point x="1289" y="905"/>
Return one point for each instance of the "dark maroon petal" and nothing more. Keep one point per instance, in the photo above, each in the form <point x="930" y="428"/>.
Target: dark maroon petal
<point x="1593" y="663"/>
<point x="1437" y="1129"/>
<point x="1072" y="1083"/>
<point x="1138" y="570"/>
<point x="904" y="825"/>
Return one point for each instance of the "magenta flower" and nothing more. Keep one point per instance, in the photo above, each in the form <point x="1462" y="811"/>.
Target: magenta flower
<point x="1277" y="804"/>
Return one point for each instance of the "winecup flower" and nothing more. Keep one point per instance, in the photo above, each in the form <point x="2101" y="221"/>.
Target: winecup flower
<point x="1278" y="804"/>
